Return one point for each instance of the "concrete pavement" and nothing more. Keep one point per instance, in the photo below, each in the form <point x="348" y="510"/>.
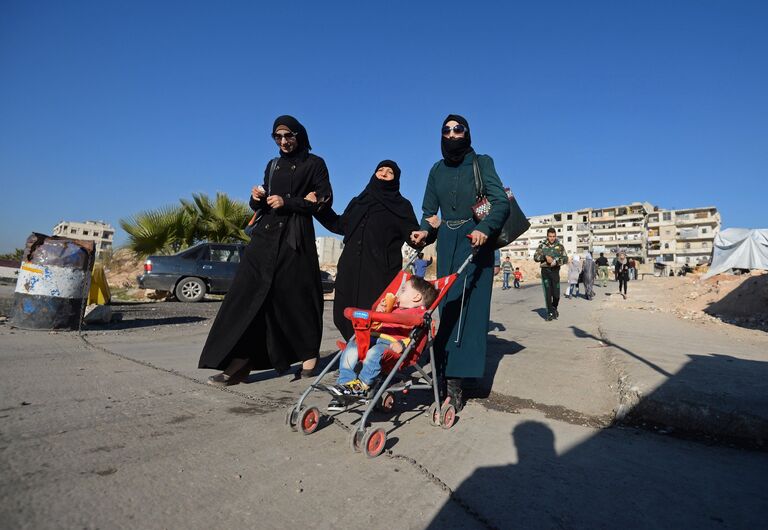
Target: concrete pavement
<point x="118" y="430"/>
<point x="95" y="438"/>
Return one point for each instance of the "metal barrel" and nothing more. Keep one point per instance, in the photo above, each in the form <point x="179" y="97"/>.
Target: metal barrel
<point x="53" y="279"/>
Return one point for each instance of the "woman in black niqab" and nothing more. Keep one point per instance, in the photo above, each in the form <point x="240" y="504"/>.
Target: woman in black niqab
<point x="374" y="225"/>
<point x="455" y="149"/>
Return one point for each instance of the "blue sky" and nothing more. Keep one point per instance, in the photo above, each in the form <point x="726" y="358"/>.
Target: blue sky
<point x="110" y="108"/>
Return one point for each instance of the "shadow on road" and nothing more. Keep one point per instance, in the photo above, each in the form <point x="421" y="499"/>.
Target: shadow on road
<point x="580" y="333"/>
<point x="145" y="323"/>
<point x="596" y="484"/>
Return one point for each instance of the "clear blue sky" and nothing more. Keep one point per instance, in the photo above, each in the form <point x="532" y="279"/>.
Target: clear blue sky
<point x="110" y="108"/>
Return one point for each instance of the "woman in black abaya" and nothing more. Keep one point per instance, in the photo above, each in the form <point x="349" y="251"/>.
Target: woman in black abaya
<point x="272" y="315"/>
<point x="375" y="225"/>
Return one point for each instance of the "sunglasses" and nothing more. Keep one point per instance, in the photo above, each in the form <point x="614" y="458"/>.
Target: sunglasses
<point x="458" y="129"/>
<point x="287" y="136"/>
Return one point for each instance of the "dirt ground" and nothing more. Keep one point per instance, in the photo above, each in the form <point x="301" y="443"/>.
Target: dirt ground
<point x="722" y="299"/>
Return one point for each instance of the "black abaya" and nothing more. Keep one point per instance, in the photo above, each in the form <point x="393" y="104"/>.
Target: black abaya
<point x="273" y="312"/>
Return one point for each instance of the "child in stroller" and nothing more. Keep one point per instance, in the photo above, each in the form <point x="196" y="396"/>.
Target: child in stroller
<point x="415" y="296"/>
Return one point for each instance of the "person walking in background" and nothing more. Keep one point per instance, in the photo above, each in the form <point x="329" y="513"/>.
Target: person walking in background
<point x="621" y="269"/>
<point x="551" y="255"/>
<point x="462" y="338"/>
<point x="632" y="269"/>
<point x="506" y="271"/>
<point x="574" y="271"/>
<point x="602" y="269"/>
<point x="420" y="265"/>
<point x="518" y="277"/>
<point x="272" y="315"/>
<point x="588" y="270"/>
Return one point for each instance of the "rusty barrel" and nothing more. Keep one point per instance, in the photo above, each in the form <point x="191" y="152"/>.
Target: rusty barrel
<point x="53" y="280"/>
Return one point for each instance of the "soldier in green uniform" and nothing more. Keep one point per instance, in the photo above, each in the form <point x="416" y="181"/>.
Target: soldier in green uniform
<point x="551" y="255"/>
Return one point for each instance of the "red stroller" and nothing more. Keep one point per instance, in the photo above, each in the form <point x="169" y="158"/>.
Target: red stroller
<point x="382" y="394"/>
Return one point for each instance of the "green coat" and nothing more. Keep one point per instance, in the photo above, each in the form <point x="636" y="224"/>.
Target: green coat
<point x="451" y="193"/>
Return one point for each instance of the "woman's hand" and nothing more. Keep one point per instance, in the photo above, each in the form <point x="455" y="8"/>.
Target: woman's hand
<point x="478" y="238"/>
<point x="434" y="221"/>
<point x="311" y="197"/>
<point x="257" y="193"/>
<point x="418" y="237"/>
<point x="275" y="202"/>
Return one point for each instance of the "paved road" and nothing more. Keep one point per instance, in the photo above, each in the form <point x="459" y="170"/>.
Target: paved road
<point x="117" y="430"/>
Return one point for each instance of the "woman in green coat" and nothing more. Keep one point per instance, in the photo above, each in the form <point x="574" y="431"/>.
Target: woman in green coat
<point x="460" y="344"/>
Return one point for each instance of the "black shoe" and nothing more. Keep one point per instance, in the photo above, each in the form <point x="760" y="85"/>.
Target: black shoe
<point x="556" y="315"/>
<point x="550" y="317"/>
<point x="453" y="387"/>
<point x="223" y="379"/>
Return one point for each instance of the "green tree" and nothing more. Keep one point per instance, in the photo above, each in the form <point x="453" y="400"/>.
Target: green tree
<point x="170" y="229"/>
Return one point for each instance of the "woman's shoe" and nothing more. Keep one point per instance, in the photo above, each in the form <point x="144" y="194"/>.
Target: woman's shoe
<point x="223" y="379"/>
<point x="455" y="393"/>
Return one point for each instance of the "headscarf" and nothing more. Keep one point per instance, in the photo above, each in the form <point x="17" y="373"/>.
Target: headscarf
<point x="576" y="258"/>
<point x="623" y="259"/>
<point x="379" y="195"/>
<point x="295" y="127"/>
<point x="587" y="255"/>
<point x="455" y="149"/>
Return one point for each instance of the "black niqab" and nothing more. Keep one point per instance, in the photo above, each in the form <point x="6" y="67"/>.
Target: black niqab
<point x="301" y="135"/>
<point x="455" y="149"/>
<point x="378" y="195"/>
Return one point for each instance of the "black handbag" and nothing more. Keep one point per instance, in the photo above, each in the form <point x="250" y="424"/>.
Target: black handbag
<point x="516" y="223"/>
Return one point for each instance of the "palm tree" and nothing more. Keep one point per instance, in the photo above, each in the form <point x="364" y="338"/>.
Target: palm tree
<point x="221" y="221"/>
<point x="172" y="228"/>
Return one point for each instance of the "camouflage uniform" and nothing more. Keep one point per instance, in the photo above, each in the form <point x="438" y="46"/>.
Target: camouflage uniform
<point x="550" y="274"/>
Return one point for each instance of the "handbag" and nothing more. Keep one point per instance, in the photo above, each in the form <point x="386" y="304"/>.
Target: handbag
<point x="516" y="222"/>
<point x="251" y="226"/>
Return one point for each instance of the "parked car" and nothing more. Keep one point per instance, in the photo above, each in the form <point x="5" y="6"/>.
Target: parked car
<point x="190" y="274"/>
<point x="329" y="284"/>
<point x="204" y="268"/>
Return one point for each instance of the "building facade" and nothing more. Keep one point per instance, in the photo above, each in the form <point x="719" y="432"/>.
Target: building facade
<point x="329" y="250"/>
<point x="640" y="229"/>
<point x="97" y="231"/>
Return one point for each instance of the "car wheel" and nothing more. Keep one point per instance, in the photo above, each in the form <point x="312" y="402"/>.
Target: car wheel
<point x="190" y="290"/>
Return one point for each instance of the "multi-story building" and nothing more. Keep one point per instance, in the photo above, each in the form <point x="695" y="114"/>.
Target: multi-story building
<point x="640" y="229"/>
<point x="97" y="231"/>
<point x="683" y="236"/>
<point x="329" y="250"/>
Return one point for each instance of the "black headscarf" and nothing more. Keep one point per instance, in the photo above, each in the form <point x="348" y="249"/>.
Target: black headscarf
<point x="455" y="149"/>
<point x="296" y="127"/>
<point x="379" y="195"/>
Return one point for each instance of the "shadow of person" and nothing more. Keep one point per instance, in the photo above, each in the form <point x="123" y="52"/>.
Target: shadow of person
<point x="505" y="494"/>
<point x="498" y="348"/>
<point x="615" y="478"/>
<point x="542" y="312"/>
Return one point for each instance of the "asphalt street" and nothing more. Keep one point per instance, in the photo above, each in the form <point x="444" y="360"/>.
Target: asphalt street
<point x="117" y="429"/>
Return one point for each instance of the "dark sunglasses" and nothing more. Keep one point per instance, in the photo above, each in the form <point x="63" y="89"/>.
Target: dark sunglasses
<point x="286" y="136"/>
<point x="458" y="129"/>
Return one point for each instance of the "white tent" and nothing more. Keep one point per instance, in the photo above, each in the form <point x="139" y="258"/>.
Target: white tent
<point x="739" y="248"/>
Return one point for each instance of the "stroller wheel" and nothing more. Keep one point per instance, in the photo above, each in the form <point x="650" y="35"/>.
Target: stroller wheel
<point x="449" y="416"/>
<point x="292" y="418"/>
<point x="310" y="419"/>
<point x="356" y="440"/>
<point x="374" y="441"/>
<point x="386" y="403"/>
<point x="432" y="415"/>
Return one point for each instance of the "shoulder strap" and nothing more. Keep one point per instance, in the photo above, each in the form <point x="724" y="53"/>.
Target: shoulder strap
<point x="479" y="187"/>
<point x="272" y="166"/>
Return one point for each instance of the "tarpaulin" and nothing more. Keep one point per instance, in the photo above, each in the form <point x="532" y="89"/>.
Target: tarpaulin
<point x="739" y="248"/>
